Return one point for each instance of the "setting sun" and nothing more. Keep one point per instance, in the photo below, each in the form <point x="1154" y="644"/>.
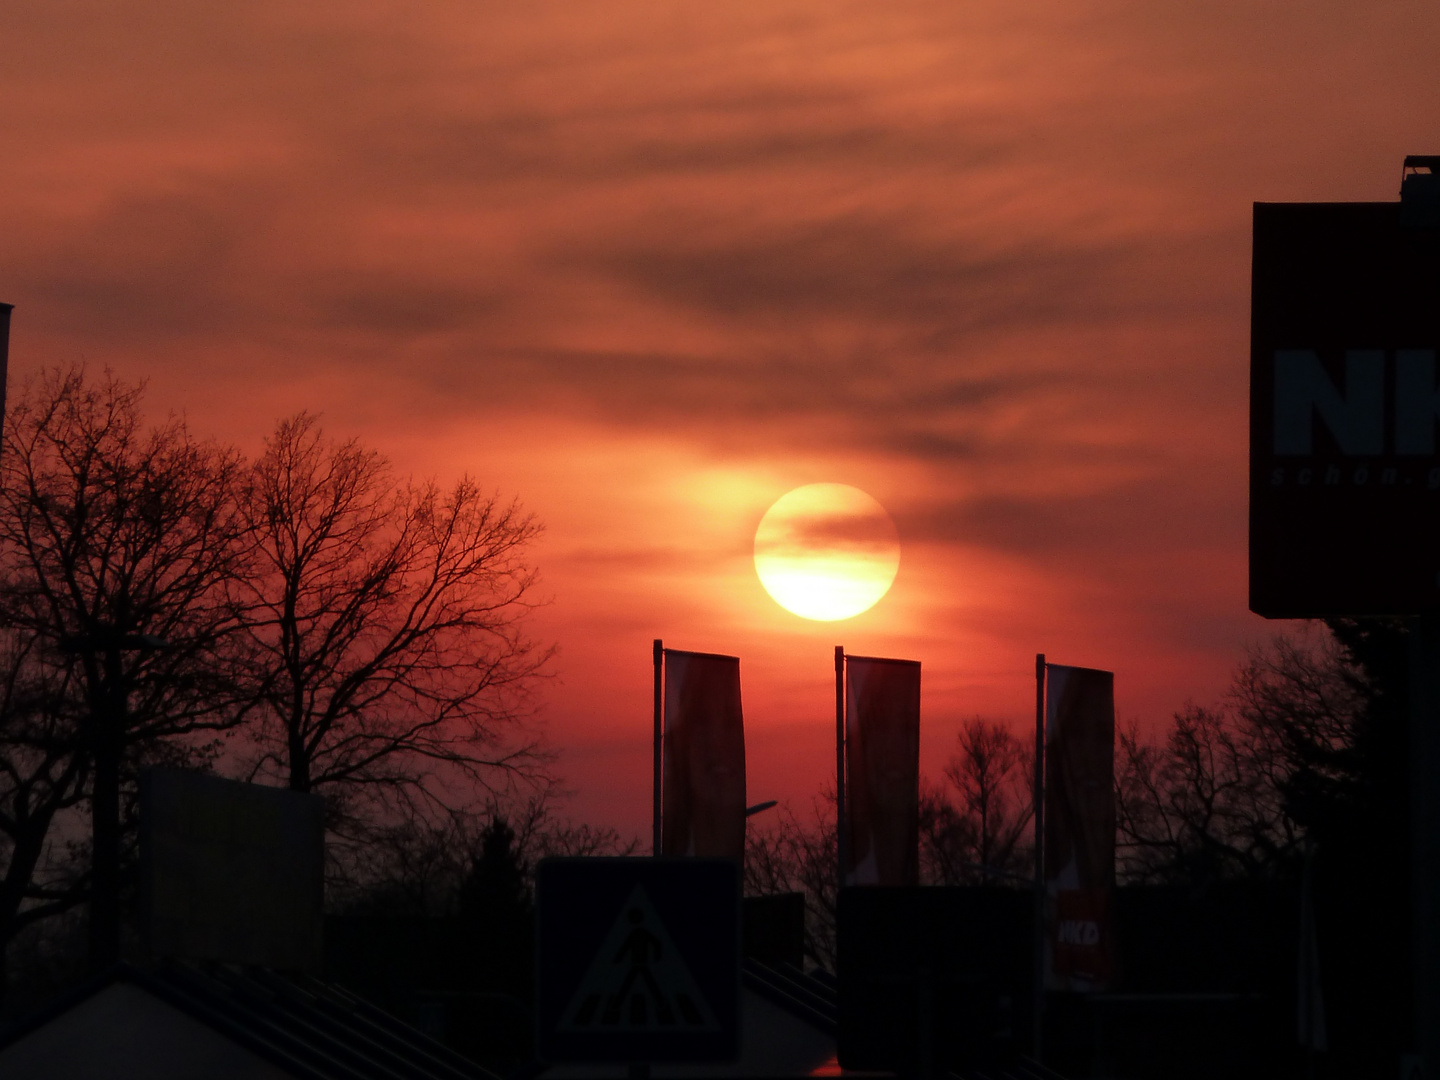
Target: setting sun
<point x="826" y="551"/>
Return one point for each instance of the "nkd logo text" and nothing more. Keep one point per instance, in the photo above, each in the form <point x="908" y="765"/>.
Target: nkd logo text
<point x="1078" y="932"/>
<point x="1354" y="412"/>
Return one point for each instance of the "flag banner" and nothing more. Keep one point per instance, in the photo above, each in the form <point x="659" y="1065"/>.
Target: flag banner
<point x="1079" y="825"/>
<point x="882" y="786"/>
<point x="703" y="779"/>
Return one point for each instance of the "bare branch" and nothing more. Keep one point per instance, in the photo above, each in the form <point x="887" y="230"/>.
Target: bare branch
<point x="385" y="626"/>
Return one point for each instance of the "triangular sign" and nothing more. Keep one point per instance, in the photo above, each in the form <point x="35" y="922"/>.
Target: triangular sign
<point x="638" y="980"/>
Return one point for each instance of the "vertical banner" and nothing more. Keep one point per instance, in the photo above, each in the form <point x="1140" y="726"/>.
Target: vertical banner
<point x="704" y="752"/>
<point x="882" y="793"/>
<point x="1079" y="825"/>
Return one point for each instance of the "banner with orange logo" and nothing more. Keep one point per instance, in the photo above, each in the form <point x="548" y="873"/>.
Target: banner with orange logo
<point x="1079" y="825"/>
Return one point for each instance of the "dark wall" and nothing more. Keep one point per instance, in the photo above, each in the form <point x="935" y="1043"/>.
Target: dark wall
<point x="1205" y="985"/>
<point x="463" y="982"/>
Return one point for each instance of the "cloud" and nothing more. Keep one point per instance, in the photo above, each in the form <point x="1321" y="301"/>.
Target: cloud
<point x="861" y="268"/>
<point x="847" y="534"/>
<point x="988" y="260"/>
<point x="1128" y="519"/>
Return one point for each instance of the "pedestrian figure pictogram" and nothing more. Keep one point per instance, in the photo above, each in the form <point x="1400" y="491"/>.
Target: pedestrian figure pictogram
<point x="637" y="981"/>
<point x="637" y="959"/>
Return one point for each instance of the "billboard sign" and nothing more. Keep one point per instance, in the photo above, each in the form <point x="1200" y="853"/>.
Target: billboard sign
<point x="1344" y="409"/>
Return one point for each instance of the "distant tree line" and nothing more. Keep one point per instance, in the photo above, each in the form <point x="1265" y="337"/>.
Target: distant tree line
<point x="466" y="861"/>
<point x="437" y="917"/>
<point x="308" y="619"/>
<point x="1305" y="760"/>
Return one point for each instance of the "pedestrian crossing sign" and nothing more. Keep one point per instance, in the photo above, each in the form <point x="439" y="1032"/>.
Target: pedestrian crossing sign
<point x="638" y="960"/>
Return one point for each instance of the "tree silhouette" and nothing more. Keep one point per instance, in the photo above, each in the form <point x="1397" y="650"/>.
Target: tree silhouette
<point x="1309" y="749"/>
<point x="44" y="775"/>
<point x="1206" y="804"/>
<point x="156" y="593"/>
<point x="1308" y="740"/>
<point x="975" y="830"/>
<point x="1347" y="782"/>
<point x="496" y="891"/>
<point x="792" y="855"/>
<point x="115" y="544"/>
<point x="385" y="623"/>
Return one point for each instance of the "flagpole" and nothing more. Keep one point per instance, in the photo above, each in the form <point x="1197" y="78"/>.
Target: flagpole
<point x="839" y="771"/>
<point x="659" y="720"/>
<point x="1037" y="1001"/>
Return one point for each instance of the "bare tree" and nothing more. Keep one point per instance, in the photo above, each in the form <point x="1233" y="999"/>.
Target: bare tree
<point x="1303" y="702"/>
<point x="992" y="773"/>
<point x="948" y="840"/>
<point x="115" y="543"/>
<point x="1232" y="789"/>
<point x="1205" y="804"/>
<point x="792" y="855"/>
<point x="418" y="865"/>
<point x="1308" y="752"/>
<point x="386" y="626"/>
<point x="976" y="830"/>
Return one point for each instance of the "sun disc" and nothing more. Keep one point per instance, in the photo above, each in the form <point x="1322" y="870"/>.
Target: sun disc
<point x="826" y="551"/>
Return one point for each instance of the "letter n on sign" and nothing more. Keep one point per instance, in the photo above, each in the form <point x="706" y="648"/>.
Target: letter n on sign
<point x="1344" y="408"/>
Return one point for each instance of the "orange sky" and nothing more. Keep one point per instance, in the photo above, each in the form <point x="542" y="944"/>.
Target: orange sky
<point x="649" y="264"/>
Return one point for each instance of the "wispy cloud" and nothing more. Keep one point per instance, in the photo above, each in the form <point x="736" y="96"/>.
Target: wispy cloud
<point x="662" y="260"/>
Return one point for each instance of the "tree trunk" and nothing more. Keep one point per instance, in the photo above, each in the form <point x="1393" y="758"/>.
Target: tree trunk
<point x="105" y="834"/>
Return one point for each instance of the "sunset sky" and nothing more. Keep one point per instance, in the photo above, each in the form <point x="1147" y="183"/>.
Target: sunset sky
<point x="650" y="264"/>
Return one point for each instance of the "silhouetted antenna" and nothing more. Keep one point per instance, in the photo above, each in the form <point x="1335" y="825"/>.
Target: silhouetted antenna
<point x="1420" y="191"/>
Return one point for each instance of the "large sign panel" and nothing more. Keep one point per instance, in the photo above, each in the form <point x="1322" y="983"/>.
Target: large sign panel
<point x="933" y="979"/>
<point x="638" y="960"/>
<point x="1344" y="409"/>
<point x="230" y="871"/>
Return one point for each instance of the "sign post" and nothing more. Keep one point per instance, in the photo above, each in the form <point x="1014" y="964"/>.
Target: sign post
<point x="1345" y="465"/>
<point x="1425" y="837"/>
